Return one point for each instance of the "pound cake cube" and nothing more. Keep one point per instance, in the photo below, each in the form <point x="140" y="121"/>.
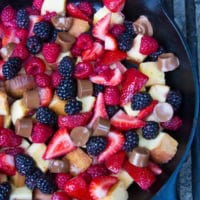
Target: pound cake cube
<point x="4" y="106"/>
<point x="21" y="193"/>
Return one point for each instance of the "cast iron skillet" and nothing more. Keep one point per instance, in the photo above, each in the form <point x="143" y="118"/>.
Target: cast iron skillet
<point x="185" y="79"/>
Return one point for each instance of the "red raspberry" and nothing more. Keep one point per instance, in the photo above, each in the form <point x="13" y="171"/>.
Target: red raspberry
<point x="8" y="14"/>
<point x="86" y="8"/>
<point x="49" y="15"/>
<point x="14" y="151"/>
<point x="42" y="80"/>
<point x="38" y="4"/>
<point x="60" y="195"/>
<point x="83" y="70"/>
<point x="117" y="30"/>
<point x="84" y="41"/>
<point x="20" y="51"/>
<point x="55" y="79"/>
<point x="32" y="10"/>
<point x="148" y="45"/>
<point x="22" y="34"/>
<point x="61" y="179"/>
<point x="174" y="124"/>
<point x="105" y="71"/>
<point x="75" y="51"/>
<point x="97" y="170"/>
<point x="34" y="66"/>
<point x="112" y="96"/>
<point x="41" y="133"/>
<point x="51" y="52"/>
<point x="86" y="176"/>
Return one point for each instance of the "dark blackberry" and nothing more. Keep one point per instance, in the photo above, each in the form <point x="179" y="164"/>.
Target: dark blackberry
<point x="129" y="28"/>
<point x="131" y="140"/>
<point x="97" y="89"/>
<point x="125" y="42"/>
<point x="140" y="100"/>
<point x="25" y="165"/>
<point x="150" y="130"/>
<point x="66" y="67"/>
<point x="111" y="110"/>
<point x="154" y="56"/>
<point x="53" y="35"/>
<point x="175" y="99"/>
<point x="66" y="89"/>
<point x="46" y="116"/>
<point x="73" y="106"/>
<point x="96" y="145"/>
<point x="5" y="190"/>
<point x="33" y="44"/>
<point x="22" y="18"/>
<point x="11" y="67"/>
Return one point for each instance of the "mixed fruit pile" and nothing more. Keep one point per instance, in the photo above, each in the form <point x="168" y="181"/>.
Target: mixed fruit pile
<point x="85" y="111"/>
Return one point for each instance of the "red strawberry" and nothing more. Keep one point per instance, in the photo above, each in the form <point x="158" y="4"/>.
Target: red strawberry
<point x="59" y="145"/>
<point x="71" y="121"/>
<point x="46" y="95"/>
<point x="100" y="186"/>
<point x="97" y="170"/>
<point x="115" y="143"/>
<point x="61" y="179"/>
<point x="113" y="5"/>
<point x="60" y="195"/>
<point x="86" y="8"/>
<point x="84" y="41"/>
<point x="38" y="4"/>
<point x="101" y="28"/>
<point x="173" y="124"/>
<point x="110" y="57"/>
<point x="119" y="66"/>
<point x="42" y="80"/>
<point x="20" y="51"/>
<point x="99" y="109"/>
<point x="132" y="83"/>
<point x="112" y="96"/>
<point x="123" y="121"/>
<point x="141" y="175"/>
<point x="7" y="164"/>
<point x="83" y="70"/>
<point x="154" y="168"/>
<point x="117" y="30"/>
<point x="110" y="43"/>
<point x="114" y="163"/>
<point x="14" y="151"/>
<point x="86" y="177"/>
<point x="55" y="79"/>
<point x="22" y="34"/>
<point x="8" y="14"/>
<point x="148" y="45"/>
<point x="1" y="68"/>
<point x="74" y="11"/>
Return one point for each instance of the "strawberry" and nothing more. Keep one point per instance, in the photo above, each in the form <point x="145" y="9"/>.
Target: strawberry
<point x="123" y="121"/>
<point x="99" y="109"/>
<point x="7" y="164"/>
<point x="55" y="79"/>
<point x="154" y="168"/>
<point x="83" y="70"/>
<point x="61" y="179"/>
<point x="141" y="175"/>
<point x="8" y="14"/>
<point x="173" y="124"/>
<point x="86" y="8"/>
<point x="71" y="121"/>
<point x="110" y="57"/>
<point x="42" y="80"/>
<point x="38" y="4"/>
<point x="97" y="170"/>
<point x="112" y="95"/>
<point x="100" y="186"/>
<point x="101" y="28"/>
<point x="74" y="11"/>
<point x="114" y="163"/>
<point x="1" y="72"/>
<point x="21" y="34"/>
<point x="119" y="66"/>
<point x="110" y="43"/>
<point x="60" y="144"/>
<point x="113" y="5"/>
<point x="46" y="95"/>
<point x="20" y="51"/>
<point x="9" y="36"/>
<point x="60" y="195"/>
<point x="84" y="41"/>
<point x="117" y="30"/>
<point x="115" y="143"/>
<point x="148" y="45"/>
<point x="132" y="83"/>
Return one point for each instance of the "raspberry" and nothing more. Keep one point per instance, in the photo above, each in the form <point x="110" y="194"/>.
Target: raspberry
<point x="8" y="14"/>
<point x="117" y="30"/>
<point x="83" y="70"/>
<point x="84" y="41"/>
<point x="60" y="195"/>
<point x="38" y="4"/>
<point x="55" y="79"/>
<point x="75" y="51"/>
<point x="20" y="51"/>
<point x="14" y="151"/>
<point x="34" y="65"/>
<point x="42" y="80"/>
<point x="86" y="176"/>
<point x="22" y="34"/>
<point x="97" y="170"/>
<point x="86" y="8"/>
<point x="41" y="133"/>
<point x="49" y="15"/>
<point x="173" y="124"/>
<point x="32" y="10"/>
<point x="51" y="52"/>
<point x="61" y="179"/>
<point x="148" y="45"/>
<point x="112" y="96"/>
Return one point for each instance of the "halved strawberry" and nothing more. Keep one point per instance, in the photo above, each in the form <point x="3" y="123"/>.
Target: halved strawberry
<point x="7" y="164"/>
<point x="110" y="43"/>
<point x="1" y="68"/>
<point x="33" y="20"/>
<point x="112" y="95"/>
<point x="59" y="145"/>
<point x="46" y="95"/>
<point x="115" y="143"/>
<point x="101" y="28"/>
<point x="119" y="66"/>
<point x="143" y="176"/>
<point x="100" y="186"/>
<point x="113" y="5"/>
<point x="154" y="168"/>
<point x="71" y="121"/>
<point x="133" y="81"/>
<point x="123" y="121"/>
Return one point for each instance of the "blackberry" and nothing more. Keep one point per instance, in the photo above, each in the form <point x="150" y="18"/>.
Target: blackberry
<point x="175" y="99"/>
<point x="73" y="106"/>
<point x="33" y="44"/>
<point x="140" y="100"/>
<point x="111" y="110"/>
<point x="11" y="67"/>
<point x="25" y="165"/>
<point x="150" y="130"/>
<point x="53" y="35"/>
<point x="96" y="145"/>
<point x="129" y="28"/>
<point x="125" y="42"/>
<point x="5" y="190"/>
<point x="154" y="56"/>
<point x="66" y="67"/>
<point x="97" y="89"/>
<point x="66" y="89"/>
<point x="131" y="140"/>
<point x="22" y="18"/>
<point x="46" y="116"/>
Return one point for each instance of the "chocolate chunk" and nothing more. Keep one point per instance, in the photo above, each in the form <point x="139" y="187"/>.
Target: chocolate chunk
<point x="80" y="135"/>
<point x="139" y="157"/>
<point x="101" y="127"/>
<point x="85" y="88"/>
<point x="61" y="22"/>
<point x="6" y="51"/>
<point x="31" y="99"/>
<point x="38" y="195"/>
<point x="58" y="166"/>
<point x="23" y="127"/>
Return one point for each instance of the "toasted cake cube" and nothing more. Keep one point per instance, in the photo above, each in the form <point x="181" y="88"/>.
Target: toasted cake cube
<point x="4" y="106"/>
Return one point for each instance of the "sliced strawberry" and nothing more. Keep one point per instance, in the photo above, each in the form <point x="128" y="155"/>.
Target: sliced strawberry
<point x="110" y="43"/>
<point x="141" y="175"/>
<point x="100" y="186"/>
<point x="101" y="28"/>
<point x="7" y="164"/>
<point x="71" y="121"/>
<point x="46" y="95"/>
<point x="9" y="36"/>
<point x="123" y="121"/>
<point x="114" y="163"/>
<point x="97" y="170"/>
<point x="113" y="5"/>
<point x="133" y="81"/>
<point x="148" y="45"/>
<point x="1" y="68"/>
<point x="33" y="20"/>
<point x="119" y="66"/>
<point x="115" y="143"/>
<point x="112" y="95"/>
<point x="59" y="145"/>
<point x="110" y="57"/>
<point x="154" y="168"/>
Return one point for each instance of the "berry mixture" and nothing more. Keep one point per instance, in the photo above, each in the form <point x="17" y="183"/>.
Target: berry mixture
<point x="77" y="121"/>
